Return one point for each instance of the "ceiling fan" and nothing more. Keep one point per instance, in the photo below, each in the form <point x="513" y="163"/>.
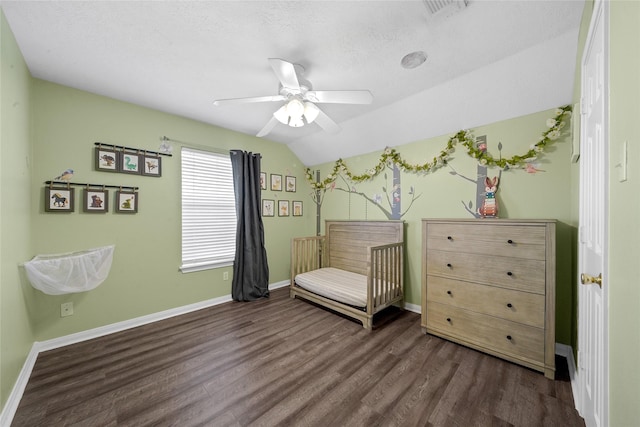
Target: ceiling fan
<point x="300" y="99"/>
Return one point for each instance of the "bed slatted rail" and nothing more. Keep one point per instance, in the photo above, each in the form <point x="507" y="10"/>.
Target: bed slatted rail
<point x="385" y="280"/>
<point x="307" y="254"/>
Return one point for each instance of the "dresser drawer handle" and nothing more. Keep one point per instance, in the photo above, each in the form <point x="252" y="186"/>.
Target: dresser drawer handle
<point x="448" y="292"/>
<point x="449" y="238"/>
<point x="509" y="305"/>
<point x="509" y="273"/>
<point x="509" y="337"/>
<point x="449" y="265"/>
<point x="510" y="242"/>
<point x="449" y="319"/>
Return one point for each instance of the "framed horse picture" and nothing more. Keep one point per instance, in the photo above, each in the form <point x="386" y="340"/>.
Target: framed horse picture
<point x="59" y="199"/>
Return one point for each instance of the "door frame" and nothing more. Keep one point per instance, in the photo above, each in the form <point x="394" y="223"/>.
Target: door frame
<point x="600" y="12"/>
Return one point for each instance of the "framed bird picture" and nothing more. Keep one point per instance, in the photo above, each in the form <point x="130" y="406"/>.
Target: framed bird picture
<point x="59" y="199"/>
<point x="152" y="165"/>
<point x="106" y="160"/>
<point x="130" y="163"/>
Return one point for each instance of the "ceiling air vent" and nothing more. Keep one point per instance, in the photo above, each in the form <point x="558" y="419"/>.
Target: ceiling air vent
<point x="444" y="8"/>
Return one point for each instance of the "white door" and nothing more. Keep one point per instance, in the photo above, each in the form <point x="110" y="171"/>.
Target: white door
<point x="593" y="390"/>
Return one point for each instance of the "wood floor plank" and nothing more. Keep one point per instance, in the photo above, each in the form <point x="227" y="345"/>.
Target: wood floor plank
<point x="285" y="362"/>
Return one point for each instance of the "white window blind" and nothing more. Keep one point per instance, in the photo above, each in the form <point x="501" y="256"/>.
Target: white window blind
<point x="208" y="211"/>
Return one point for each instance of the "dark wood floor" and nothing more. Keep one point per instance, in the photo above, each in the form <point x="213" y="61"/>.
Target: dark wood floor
<point x="280" y="362"/>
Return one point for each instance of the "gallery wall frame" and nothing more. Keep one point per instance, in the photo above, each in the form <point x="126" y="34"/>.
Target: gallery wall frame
<point x="95" y="200"/>
<point x="59" y="199"/>
<point x="296" y="208"/>
<point x="106" y="160"/>
<point x="151" y="165"/>
<point x="283" y="208"/>
<point x="268" y="207"/>
<point x="276" y="182"/>
<point x="126" y="202"/>
<point x="130" y="163"/>
<point x="290" y="184"/>
<point x="263" y="180"/>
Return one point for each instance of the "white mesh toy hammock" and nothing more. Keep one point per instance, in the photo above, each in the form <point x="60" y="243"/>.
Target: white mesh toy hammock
<point x="71" y="272"/>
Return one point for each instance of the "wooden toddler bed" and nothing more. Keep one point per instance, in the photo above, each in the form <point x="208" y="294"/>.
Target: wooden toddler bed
<point x="356" y="268"/>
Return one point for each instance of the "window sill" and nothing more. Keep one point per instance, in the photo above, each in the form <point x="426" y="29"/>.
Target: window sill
<point x="192" y="268"/>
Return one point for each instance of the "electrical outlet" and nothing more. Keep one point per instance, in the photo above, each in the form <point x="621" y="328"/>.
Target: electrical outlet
<point x="225" y="275"/>
<point x="66" y="309"/>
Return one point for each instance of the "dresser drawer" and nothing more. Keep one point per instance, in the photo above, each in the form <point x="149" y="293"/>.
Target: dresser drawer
<point x="486" y="332"/>
<point x="516" y="306"/>
<point x="517" y="241"/>
<point x="513" y="273"/>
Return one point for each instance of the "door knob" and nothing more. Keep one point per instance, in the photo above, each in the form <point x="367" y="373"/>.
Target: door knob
<point x="587" y="279"/>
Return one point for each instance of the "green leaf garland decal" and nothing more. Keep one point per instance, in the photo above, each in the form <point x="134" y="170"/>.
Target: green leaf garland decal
<point x="465" y="138"/>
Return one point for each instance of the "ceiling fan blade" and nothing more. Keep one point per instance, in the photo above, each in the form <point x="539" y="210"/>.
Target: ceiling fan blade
<point x="326" y="123"/>
<point x="340" y="96"/>
<point x="235" y="101"/>
<point x="286" y="73"/>
<point x="268" y="127"/>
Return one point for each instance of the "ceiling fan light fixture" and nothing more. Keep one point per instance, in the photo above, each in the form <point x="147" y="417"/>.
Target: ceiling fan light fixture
<point x="296" y="122"/>
<point x="295" y="108"/>
<point x="282" y="115"/>
<point x="311" y="111"/>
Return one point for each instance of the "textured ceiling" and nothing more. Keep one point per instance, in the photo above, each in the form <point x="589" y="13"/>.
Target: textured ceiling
<point x="490" y="61"/>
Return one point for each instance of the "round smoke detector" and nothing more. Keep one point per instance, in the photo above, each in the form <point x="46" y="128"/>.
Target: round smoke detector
<point x="413" y="59"/>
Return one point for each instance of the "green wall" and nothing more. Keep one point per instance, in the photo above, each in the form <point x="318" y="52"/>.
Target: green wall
<point x="144" y="276"/>
<point x="16" y="333"/>
<point x="624" y="212"/>
<point x="444" y="193"/>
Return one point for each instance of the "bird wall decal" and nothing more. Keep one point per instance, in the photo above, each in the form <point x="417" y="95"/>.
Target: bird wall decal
<point x="65" y="176"/>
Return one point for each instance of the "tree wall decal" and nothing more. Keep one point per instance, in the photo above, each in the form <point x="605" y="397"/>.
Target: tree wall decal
<point x="481" y="174"/>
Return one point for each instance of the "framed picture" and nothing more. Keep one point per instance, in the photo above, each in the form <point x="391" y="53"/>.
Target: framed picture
<point x="126" y="201"/>
<point x="290" y="184"/>
<point x="268" y="207"/>
<point x="263" y="180"/>
<point x="95" y="201"/>
<point x="297" y="208"/>
<point x="151" y="165"/>
<point x="276" y="182"/>
<point x="106" y="160"/>
<point x="59" y="199"/>
<point x="130" y="163"/>
<point x="283" y="208"/>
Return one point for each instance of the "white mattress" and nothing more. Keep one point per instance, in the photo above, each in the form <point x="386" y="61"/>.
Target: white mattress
<point x="338" y="285"/>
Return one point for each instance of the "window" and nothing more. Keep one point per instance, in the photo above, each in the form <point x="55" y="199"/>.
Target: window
<point x="208" y="211"/>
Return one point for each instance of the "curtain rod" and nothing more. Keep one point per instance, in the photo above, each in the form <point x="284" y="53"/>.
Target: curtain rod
<point x="191" y="144"/>
<point x="82" y="184"/>
<point x="164" y="138"/>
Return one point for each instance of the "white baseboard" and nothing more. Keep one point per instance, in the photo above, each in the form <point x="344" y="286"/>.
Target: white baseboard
<point x="279" y="284"/>
<point x="9" y="410"/>
<point x="567" y="352"/>
<point x="416" y="308"/>
<point x="11" y="406"/>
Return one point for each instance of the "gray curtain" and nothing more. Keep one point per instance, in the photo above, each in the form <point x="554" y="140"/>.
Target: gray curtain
<point x="250" y="269"/>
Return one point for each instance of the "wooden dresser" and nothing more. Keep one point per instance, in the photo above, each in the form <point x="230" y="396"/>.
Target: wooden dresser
<point x="489" y="284"/>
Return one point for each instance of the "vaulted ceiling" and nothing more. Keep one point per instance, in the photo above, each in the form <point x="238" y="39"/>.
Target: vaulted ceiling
<point x="486" y="61"/>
